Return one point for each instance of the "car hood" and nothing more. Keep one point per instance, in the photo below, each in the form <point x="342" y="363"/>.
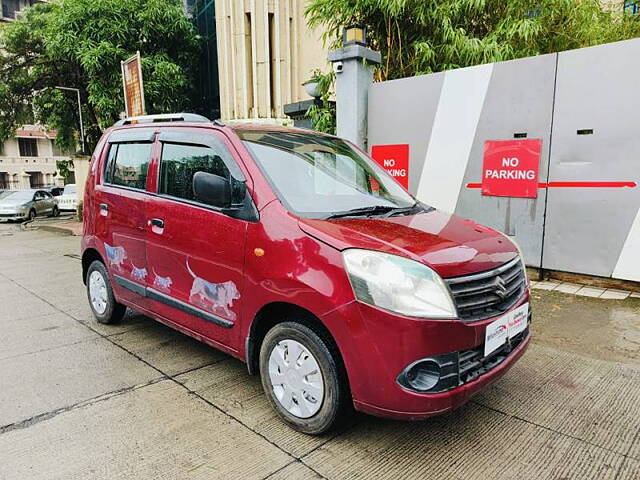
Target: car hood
<point x="452" y="246"/>
<point x="12" y="204"/>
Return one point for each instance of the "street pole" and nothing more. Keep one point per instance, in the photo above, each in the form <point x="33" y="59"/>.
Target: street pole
<point x="77" y="90"/>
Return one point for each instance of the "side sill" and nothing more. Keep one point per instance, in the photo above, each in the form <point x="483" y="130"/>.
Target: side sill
<point x="171" y="302"/>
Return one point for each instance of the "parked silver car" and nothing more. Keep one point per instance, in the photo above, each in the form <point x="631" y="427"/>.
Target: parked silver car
<point x="27" y="204"/>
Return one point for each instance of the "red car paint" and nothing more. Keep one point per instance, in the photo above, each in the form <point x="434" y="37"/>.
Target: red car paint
<point x="286" y="259"/>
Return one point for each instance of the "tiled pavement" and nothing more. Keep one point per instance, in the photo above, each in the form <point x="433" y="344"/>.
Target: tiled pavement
<point x="585" y="291"/>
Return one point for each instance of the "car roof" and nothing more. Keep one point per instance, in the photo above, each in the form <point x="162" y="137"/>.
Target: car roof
<point x="253" y="127"/>
<point x="155" y="121"/>
<point x="26" y="190"/>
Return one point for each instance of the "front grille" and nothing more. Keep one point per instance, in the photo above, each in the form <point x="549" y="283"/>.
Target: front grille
<point x="473" y="363"/>
<point x="487" y="294"/>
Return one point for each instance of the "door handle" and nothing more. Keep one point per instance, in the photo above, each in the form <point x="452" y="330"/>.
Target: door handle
<point x="157" y="222"/>
<point x="104" y="207"/>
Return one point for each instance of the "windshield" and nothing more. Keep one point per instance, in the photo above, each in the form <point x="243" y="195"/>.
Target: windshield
<point x="69" y="189"/>
<point x="318" y="177"/>
<point x="17" y="195"/>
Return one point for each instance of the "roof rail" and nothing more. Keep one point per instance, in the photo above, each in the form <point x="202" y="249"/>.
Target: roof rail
<point x="163" y="117"/>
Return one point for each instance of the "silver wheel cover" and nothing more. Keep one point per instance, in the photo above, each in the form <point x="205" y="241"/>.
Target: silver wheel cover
<point x="98" y="292"/>
<point x="296" y="379"/>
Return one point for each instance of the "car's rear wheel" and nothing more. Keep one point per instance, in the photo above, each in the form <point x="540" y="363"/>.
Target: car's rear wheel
<point x="55" y="212"/>
<point x="303" y="378"/>
<point x="100" y="294"/>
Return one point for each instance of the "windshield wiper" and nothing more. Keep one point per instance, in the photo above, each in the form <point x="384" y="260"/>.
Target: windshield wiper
<point x="412" y="210"/>
<point x="363" y="211"/>
<point x="384" y="211"/>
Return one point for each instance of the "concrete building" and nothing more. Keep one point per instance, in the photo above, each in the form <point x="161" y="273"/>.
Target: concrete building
<point x="29" y="159"/>
<point x="10" y="9"/>
<point x="631" y="7"/>
<point x="265" y="53"/>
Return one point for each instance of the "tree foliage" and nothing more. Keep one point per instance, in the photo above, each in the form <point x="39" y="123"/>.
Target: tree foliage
<point x="323" y="113"/>
<point x="80" y="44"/>
<point x="425" y="36"/>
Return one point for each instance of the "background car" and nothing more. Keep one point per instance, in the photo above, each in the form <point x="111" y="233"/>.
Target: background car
<point x="55" y="191"/>
<point x="27" y="204"/>
<point x="68" y="201"/>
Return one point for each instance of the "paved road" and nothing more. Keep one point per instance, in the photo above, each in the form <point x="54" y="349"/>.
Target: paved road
<point x="138" y="400"/>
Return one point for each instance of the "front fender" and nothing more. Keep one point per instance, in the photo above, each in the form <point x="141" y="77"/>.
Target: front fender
<point x="284" y="264"/>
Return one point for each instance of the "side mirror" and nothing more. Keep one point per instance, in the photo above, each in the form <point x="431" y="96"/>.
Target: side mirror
<point x="212" y="189"/>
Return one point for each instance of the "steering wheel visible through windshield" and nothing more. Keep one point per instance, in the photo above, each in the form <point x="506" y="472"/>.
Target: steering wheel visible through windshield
<point x="321" y="177"/>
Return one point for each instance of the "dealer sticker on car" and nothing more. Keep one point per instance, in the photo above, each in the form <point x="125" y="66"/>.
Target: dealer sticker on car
<point x="506" y="327"/>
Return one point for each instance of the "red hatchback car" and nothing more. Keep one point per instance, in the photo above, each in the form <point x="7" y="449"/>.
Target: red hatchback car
<point x="296" y="253"/>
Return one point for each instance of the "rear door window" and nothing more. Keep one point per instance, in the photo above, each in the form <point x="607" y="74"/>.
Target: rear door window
<point x="128" y="164"/>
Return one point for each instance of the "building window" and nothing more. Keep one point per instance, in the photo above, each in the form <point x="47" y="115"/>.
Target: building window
<point x="204" y="17"/>
<point x="632" y="7"/>
<point x="9" y="8"/>
<point x="28" y="147"/>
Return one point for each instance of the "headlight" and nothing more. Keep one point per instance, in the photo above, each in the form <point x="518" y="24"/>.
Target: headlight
<point x="398" y="284"/>
<point x="524" y="266"/>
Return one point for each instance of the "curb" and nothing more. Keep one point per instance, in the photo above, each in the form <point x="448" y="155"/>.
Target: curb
<point x="59" y="230"/>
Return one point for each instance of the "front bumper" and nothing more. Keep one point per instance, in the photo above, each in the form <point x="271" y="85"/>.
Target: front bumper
<point x="4" y="216"/>
<point x="438" y="403"/>
<point x="377" y="346"/>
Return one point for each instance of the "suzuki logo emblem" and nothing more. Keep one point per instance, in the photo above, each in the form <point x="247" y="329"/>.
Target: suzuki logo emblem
<point x="501" y="289"/>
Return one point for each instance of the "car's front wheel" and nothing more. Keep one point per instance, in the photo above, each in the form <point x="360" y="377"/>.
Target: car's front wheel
<point x="100" y="294"/>
<point x="32" y="215"/>
<point x="303" y="378"/>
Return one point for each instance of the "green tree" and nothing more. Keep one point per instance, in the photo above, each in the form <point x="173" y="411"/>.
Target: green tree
<point x="323" y="113"/>
<point x="80" y="44"/>
<point x="425" y="36"/>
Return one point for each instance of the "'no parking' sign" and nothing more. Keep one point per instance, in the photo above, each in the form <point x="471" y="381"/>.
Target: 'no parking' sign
<point x="511" y="168"/>
<point x="395" y="160"/>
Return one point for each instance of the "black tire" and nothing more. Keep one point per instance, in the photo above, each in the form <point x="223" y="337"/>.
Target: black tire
<point x="55" y="212"/>
<point x="32" y="215"/>
<point x="336" y="404"/>
<point x="114" y="311"/>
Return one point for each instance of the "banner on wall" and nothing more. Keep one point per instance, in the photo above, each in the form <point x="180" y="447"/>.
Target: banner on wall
<point x="133" y="86"/>
<point x="511" y="168"/>
<point x="395" y="160"/>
